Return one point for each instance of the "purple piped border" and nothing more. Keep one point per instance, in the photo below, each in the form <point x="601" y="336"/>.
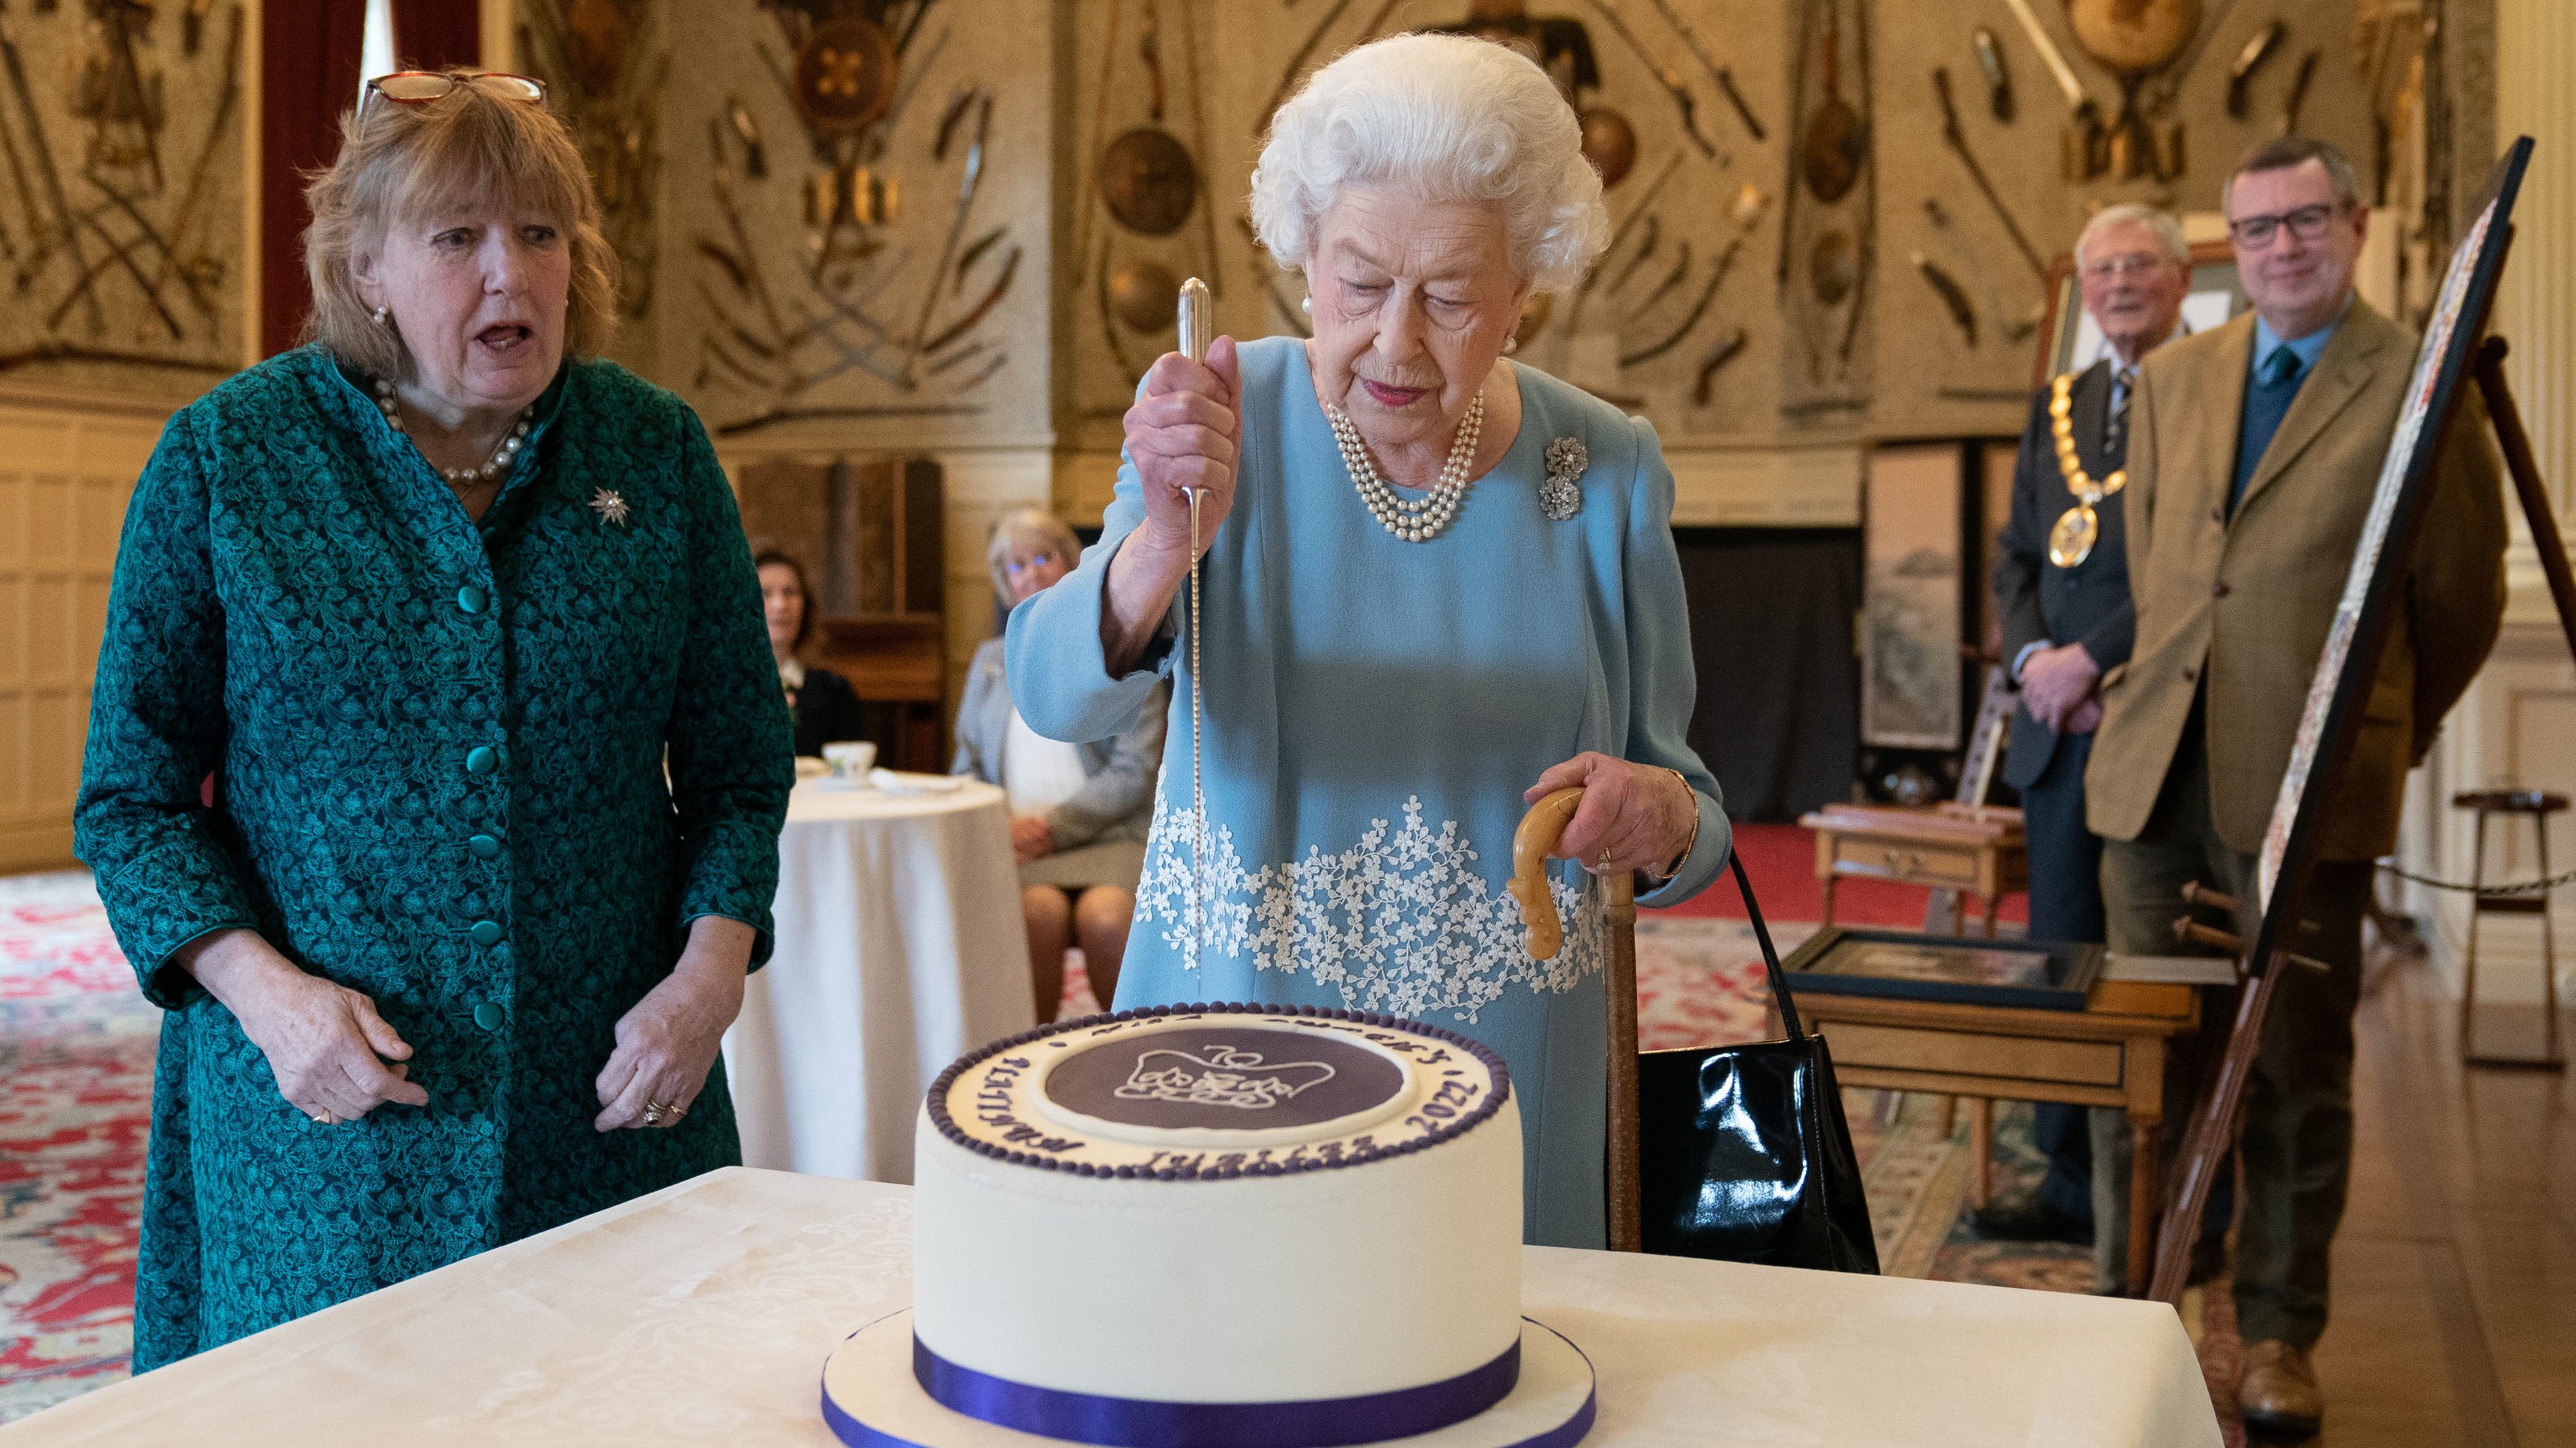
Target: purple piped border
<point x="1475" y="1116"/>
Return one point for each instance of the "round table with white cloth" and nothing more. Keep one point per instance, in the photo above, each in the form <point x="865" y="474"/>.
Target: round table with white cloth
<point x="899" y="949"/>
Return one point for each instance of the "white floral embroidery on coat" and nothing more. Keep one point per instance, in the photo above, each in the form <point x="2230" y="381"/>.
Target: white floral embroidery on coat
<point x="1399" y="922"/>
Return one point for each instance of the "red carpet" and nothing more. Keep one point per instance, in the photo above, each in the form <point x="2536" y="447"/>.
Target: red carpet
<point x="1781" y="862"/>
<point x="76" y="1047"/>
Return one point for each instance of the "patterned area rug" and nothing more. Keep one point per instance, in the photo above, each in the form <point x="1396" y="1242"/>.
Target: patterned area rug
<point x="76" y="1047"/>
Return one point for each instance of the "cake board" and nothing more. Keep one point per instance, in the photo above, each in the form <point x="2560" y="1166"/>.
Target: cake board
<point x="872" y="1400"/>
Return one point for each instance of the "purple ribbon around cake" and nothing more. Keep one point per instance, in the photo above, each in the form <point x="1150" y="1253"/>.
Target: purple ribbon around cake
<point x="1146" y="1423"/>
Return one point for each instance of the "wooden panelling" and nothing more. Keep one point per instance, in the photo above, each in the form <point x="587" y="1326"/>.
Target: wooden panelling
<point x="65" y="477"/>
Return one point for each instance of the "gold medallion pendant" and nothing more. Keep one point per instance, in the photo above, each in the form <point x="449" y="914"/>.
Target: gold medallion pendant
<point x="2071" y="541"/>
<point x="2079" y="527"/>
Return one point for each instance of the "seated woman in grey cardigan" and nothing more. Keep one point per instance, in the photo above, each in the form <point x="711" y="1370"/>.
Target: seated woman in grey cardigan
<point x="1079" y="812"/>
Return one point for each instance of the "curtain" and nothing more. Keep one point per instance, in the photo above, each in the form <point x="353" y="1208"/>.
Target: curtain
<point x="435" y="34"/>
<point x="1778" y="720"/>
<point x="309" y="77"/>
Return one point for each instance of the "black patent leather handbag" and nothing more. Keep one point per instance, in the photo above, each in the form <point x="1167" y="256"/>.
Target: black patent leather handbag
<point x="1744" y="1154"/>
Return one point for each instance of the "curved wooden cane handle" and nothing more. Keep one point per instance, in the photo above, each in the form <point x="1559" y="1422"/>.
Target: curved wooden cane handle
<point x="1531" y="844"/>
<point x="1540" y="830"/>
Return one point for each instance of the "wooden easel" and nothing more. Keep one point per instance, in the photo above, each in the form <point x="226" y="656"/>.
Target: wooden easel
<point x="2207" y="1146"/>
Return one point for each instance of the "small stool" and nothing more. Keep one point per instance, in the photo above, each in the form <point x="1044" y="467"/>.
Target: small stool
<point x="2538" y="807"/>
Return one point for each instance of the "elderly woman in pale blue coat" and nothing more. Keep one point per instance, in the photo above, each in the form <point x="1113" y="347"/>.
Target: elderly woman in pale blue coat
<point x="1436" y="585"/>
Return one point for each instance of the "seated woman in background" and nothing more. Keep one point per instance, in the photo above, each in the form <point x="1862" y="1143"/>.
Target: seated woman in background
<point x="823" y="705"/>
<point x="1078" y="811"/>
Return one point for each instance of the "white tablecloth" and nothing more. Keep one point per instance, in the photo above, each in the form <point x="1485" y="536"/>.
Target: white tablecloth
<point x="899" y="950"/>
<point x="703" y="1314"/>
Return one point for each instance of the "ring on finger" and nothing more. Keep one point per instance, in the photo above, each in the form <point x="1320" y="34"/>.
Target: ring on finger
<point x="653" y="1113"/>
<point x="325" y="1118"/>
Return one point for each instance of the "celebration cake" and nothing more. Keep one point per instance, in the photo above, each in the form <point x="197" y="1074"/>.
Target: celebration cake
<point x="1216" y="1224"/>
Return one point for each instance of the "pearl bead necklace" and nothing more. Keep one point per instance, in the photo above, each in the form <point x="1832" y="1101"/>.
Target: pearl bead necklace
<point x="1413" y="521"/>
<point x="502" y="456"/>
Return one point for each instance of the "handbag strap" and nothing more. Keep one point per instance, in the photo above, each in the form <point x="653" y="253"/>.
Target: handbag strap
<point x="1770" y="956"/>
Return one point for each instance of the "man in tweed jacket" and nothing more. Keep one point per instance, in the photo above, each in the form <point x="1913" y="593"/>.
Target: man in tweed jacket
<point x="2254" y="452"/>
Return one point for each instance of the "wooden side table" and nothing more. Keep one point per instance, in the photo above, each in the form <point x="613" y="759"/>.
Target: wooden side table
<point x="2111" y="1053"/>
<point x="1965" y="849"/>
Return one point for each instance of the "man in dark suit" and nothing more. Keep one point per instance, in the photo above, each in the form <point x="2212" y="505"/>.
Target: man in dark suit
<point x="2063" y="582"/>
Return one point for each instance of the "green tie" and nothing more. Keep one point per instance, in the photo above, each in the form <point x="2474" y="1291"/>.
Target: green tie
<point x="2276" y="382"/>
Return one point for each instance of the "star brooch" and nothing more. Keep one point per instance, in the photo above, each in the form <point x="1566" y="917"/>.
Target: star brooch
<point x="610" y="507"/>
<point x="1558" y="497"/>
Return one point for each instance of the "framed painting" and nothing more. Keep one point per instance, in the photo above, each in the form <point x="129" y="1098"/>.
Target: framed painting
<point x="1913" y="568"/>
<point x="1908" y="965"/>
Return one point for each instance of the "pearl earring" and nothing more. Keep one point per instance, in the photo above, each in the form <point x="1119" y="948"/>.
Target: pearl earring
<point x="1510" y="345"/>
<point x="1307" y="306"/>
<point x="384" y="315"/>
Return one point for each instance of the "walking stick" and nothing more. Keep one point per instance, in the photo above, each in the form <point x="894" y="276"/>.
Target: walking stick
<point x="1531" y="844"/>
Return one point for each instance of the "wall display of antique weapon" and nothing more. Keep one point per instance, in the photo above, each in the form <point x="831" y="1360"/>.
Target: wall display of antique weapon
<point x="1750" y="205"/>
<point x="1833" y="266"/>
<point x="867" y="301"/>
<point x="1973" y="259"/>
<point x="1990" y="59"/>
<point x="117" y="93"/>
<point x="1831" y="148"/>
<point x="2135" y="39"/>
<point x="1645" y="249"/>
<point x="2240" y="75"/>
<point x="2083" y="144"/>
<point x="1957" y="140"/>
<point x="120" y="257"/>
<point x="1727" y="350"/>
<point x="1147" y="178"/>
<point x="1672" y="279"/>
<point x="1639" y="212"/>
<point x="1718" y="75"/>
<point x="2298" y="93"/>
<point x="755" y="153"/>
<point x="1137" y="290"/>
<point x="1684" y="102"/>
<point x="1132" y="226"/>
<point x="606" y="68"/>
<point x="1954" y="299"/>
<point x="2157" y="96"/>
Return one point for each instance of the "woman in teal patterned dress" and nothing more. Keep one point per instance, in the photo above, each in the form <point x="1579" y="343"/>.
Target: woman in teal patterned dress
<point x="448" y="959"/>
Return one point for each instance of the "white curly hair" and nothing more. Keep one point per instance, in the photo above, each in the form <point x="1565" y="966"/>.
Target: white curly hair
<point x="1455" y="118"/>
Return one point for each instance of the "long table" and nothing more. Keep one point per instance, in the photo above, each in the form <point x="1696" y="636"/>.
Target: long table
<point x="702" y="1315"/>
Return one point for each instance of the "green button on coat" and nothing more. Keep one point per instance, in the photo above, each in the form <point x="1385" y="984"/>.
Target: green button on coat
<point x="486" y="932"/>
<point x="481" y="760"/>
<point x="472" y="599"/>
<point x="489" y="1015"/>
<point x="483" y="846"/>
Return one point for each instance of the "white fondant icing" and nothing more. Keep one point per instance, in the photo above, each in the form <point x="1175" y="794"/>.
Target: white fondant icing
<point x="1327" y="1281"/>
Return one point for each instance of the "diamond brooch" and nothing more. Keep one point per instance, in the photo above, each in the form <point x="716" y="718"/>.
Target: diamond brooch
<point x="1558" y="497"/>
<point x="611" y="507"/>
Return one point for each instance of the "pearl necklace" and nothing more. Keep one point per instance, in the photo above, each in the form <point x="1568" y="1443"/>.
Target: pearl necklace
<point x="495" y="466"/>
<point x="1413" y="521"/>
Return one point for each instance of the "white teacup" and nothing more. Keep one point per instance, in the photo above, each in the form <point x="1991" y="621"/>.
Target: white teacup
<point x="851" y="759"/>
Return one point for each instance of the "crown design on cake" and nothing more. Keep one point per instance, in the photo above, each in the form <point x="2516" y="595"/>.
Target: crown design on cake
<point x="1224" y="1076"/>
